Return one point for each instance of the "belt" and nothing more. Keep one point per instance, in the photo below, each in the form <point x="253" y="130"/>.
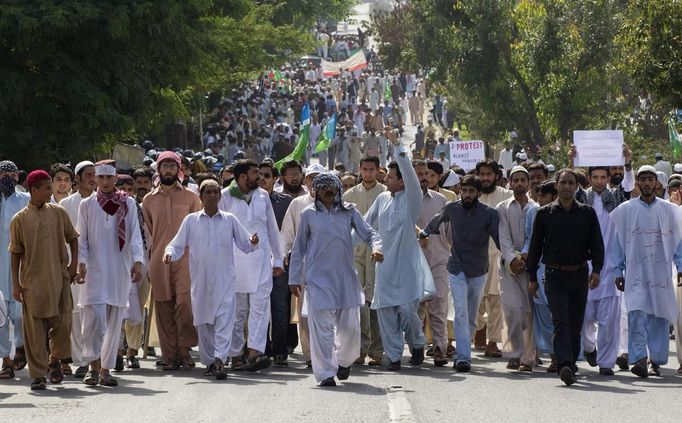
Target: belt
<point x="567" y="268"/>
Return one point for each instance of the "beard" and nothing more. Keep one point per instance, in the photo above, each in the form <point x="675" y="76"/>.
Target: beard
<point x="168" y="180"/>
<point x="292" y="188"/>
<point x="469" y="204"/>
<point x="616" y="179"/>
<point x="489" y="189"/>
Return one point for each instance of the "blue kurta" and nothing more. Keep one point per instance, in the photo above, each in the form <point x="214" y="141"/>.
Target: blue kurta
<point x="8" y="208"/>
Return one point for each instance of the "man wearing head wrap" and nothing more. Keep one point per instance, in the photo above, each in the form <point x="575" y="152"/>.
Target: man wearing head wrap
<point x="649" y="234"/>
<point x="86" y="186"/>
<point x="363" y="196"/>
<point x="110" y="253"/>
<point x="290" y="224"/>
<point x="11" y="202"/>
<point x="252" y="207"/>
<point x="516" y="304"/>
<point x="208" y="234"/>
<point x="331" y="281"/>
<point x="163" y="209"/>
<point x="404" y="277"/>
<point x="38" y="237"/>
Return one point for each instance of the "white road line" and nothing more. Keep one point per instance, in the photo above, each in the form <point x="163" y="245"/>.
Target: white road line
<point x="399" y="408"/>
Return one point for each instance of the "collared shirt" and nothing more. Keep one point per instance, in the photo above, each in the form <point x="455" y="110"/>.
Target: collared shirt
<point x="41" y="235"/>
<point x="471" y="229"/>
<point x="565" y="237"/>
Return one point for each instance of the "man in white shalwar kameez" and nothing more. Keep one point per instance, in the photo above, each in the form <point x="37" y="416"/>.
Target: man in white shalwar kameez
<point x="110" y="252"/>
<point x="404" y="276"/>
<point x="252" y="207"/>
<point x="649" y="232"/>
<point x="210" y="234"/>
<point x="324" y="247"/>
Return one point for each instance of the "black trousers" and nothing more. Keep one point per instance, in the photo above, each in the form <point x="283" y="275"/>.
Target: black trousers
<point x="567" y="297"/>
<point x="282" y="335"/>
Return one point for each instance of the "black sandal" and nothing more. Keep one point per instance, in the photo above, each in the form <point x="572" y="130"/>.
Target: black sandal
<point x="219" y="367"/>
<point x="91" y="378"/>
<point x="257" y="363"/>
<point x="39" y="384"/>
<point x="20" y="358"/>
<point x="7" y="372"/>
<point x="105" y="379"/>
<point x="56" y="373"/>
<point x="210" y="370"/>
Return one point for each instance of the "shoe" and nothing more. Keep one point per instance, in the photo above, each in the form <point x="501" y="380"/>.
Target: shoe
<point x="605" y="371"/>
<point x="359" y="361"/>
<point x="220" y="372"/>
<point x="567" y="376"/>
<point x="438" y="359"/>
<point x="132" y="362"/>
<point x="514" y="364"/>
<point x="450" y="351"/>
<point x="343" y="373"/>
<point x="374" y="361"/>
<point x="640" y="369"/>
<point x="591" y="358"/>
<point x="119" y="364"/>
<point x="655" y="370"/>
<point x="417" y="356"/>
<point x="622" y="362"/>
<point x="463" y="367"/>
<point x="328" y="382"/>
<point x="393" y="366"/>
<point x="281" y="360"/>
<point x="80" y="372"/>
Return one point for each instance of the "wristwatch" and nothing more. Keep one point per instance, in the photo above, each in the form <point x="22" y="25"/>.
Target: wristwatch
<point x="423" y="234"/>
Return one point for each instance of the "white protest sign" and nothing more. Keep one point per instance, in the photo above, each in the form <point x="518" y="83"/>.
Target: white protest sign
<point x="466" y="154"/>
<point x="598" y="148"/>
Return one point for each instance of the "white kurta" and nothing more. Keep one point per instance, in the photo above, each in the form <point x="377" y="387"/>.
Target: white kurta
<point x="108" y="269"/>
<point x="257" y="217"/>
<point x="649" y="239"/>
<point x="607" y="275"/>
<point x="211" y="241"/>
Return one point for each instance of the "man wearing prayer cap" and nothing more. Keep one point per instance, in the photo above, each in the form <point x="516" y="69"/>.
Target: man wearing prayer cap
<point x="39" y="234"/>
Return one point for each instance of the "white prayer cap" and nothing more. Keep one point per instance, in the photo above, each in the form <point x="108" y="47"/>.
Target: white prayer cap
<point x="647" y="169"/>
<point x="80" y="166"/>
<point x="451" y="180"/>
<point x="105" y="167"/>
<point x="678" y="168"/>
<point x="315" y="168"/>
<point x="551" y="168"/>
<point x="662" y="178"/>
<point x="516" y="169"/>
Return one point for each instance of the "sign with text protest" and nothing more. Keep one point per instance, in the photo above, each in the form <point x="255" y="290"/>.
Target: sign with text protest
<point x="466" y="154"/>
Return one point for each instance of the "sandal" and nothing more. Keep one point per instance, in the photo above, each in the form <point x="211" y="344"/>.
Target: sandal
<point x="80" y="372"/>
<point x="210" y="370"/>
<point x="56" y="374"/>
<point x="39" y="384"/>
<point x="7" y="372"/>
<point x="171" y="365"/>
<point x="66" y="369"/>
<point x="257" y="363"/>
<point x="187" y="362"/>
<point x="220" y="372"/>
<point x="524" y="368"/>
<point x="514" y="364"/>
<point x="20" y="358"/>
<point x="91" y="378"/>
<point x="105" y="379"/>
<point x="238" y="364"/>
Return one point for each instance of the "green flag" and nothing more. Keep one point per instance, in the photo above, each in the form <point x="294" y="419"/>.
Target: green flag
<point x="675" y="143"/>
<point x="387" y="91"/>
<point x="302" y="141"/>
<point x="327" y="135"/>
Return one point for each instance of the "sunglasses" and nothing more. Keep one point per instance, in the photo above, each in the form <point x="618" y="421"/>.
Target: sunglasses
<point x="266" y="175"/>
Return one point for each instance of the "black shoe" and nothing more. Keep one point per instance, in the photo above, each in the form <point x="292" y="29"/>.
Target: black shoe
<point x="343" y="373"/>
<point x="393" y="366"/>
<point x="567" y="376"/>
<point x="591" y="358"/>
<point x="281" y="360"/>
<point x="417" y="356"/>
<point x="328" y="382"/>
<point x="462" y="367"/>
<point x="655" y="370"/>
<point x="640" y="369"/>
<point x="604" y="371"/>
<point x="622" y="362"/>
<point x="132" y="362"/>
<point x="119" y="363"/>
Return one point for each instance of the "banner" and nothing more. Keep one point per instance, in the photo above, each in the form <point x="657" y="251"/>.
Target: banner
<point x="598" y="148"/>
<point x="353" y="63"/>
<point x="466" y="154"/>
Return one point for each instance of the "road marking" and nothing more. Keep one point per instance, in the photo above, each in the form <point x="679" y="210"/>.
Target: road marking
<point x="399" y="408"/>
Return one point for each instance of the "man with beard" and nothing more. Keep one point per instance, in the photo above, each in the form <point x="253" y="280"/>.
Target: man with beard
<point x="491" y="196"/>
<point x="436" y="252"/>
<point x="363" y="196"/>
<point x="163" y="210"/>
<point x="472" y="225"/>
<point x="433" y="173"/>
<point x="134" y="330"/>
<point x="110" y="255"/>
<point x="330" y="279"/>
<point x="11" y="202"/>
<point x="290" y="225"/>
<point x="85" y="179"/>
<point x="514" y="282"/>
<point x="649" y="233"/>
<point x="252" y="207"/>
<point x="538" y="173"/>
<point x="292" y="179"/>
<point x="566" y="234"/>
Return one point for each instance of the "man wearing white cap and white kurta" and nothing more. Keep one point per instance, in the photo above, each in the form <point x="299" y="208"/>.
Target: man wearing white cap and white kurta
<point x="110" y="255"/>
<point x="85" y="178"/>
<point x="252" y="207"/>
<point x="212" y="233"/>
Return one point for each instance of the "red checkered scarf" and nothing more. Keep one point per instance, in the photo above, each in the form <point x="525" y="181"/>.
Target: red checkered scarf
<point x="115" y="203"/>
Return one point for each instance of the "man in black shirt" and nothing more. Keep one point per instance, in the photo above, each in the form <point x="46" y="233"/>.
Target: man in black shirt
<point x="566" y="234"/>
